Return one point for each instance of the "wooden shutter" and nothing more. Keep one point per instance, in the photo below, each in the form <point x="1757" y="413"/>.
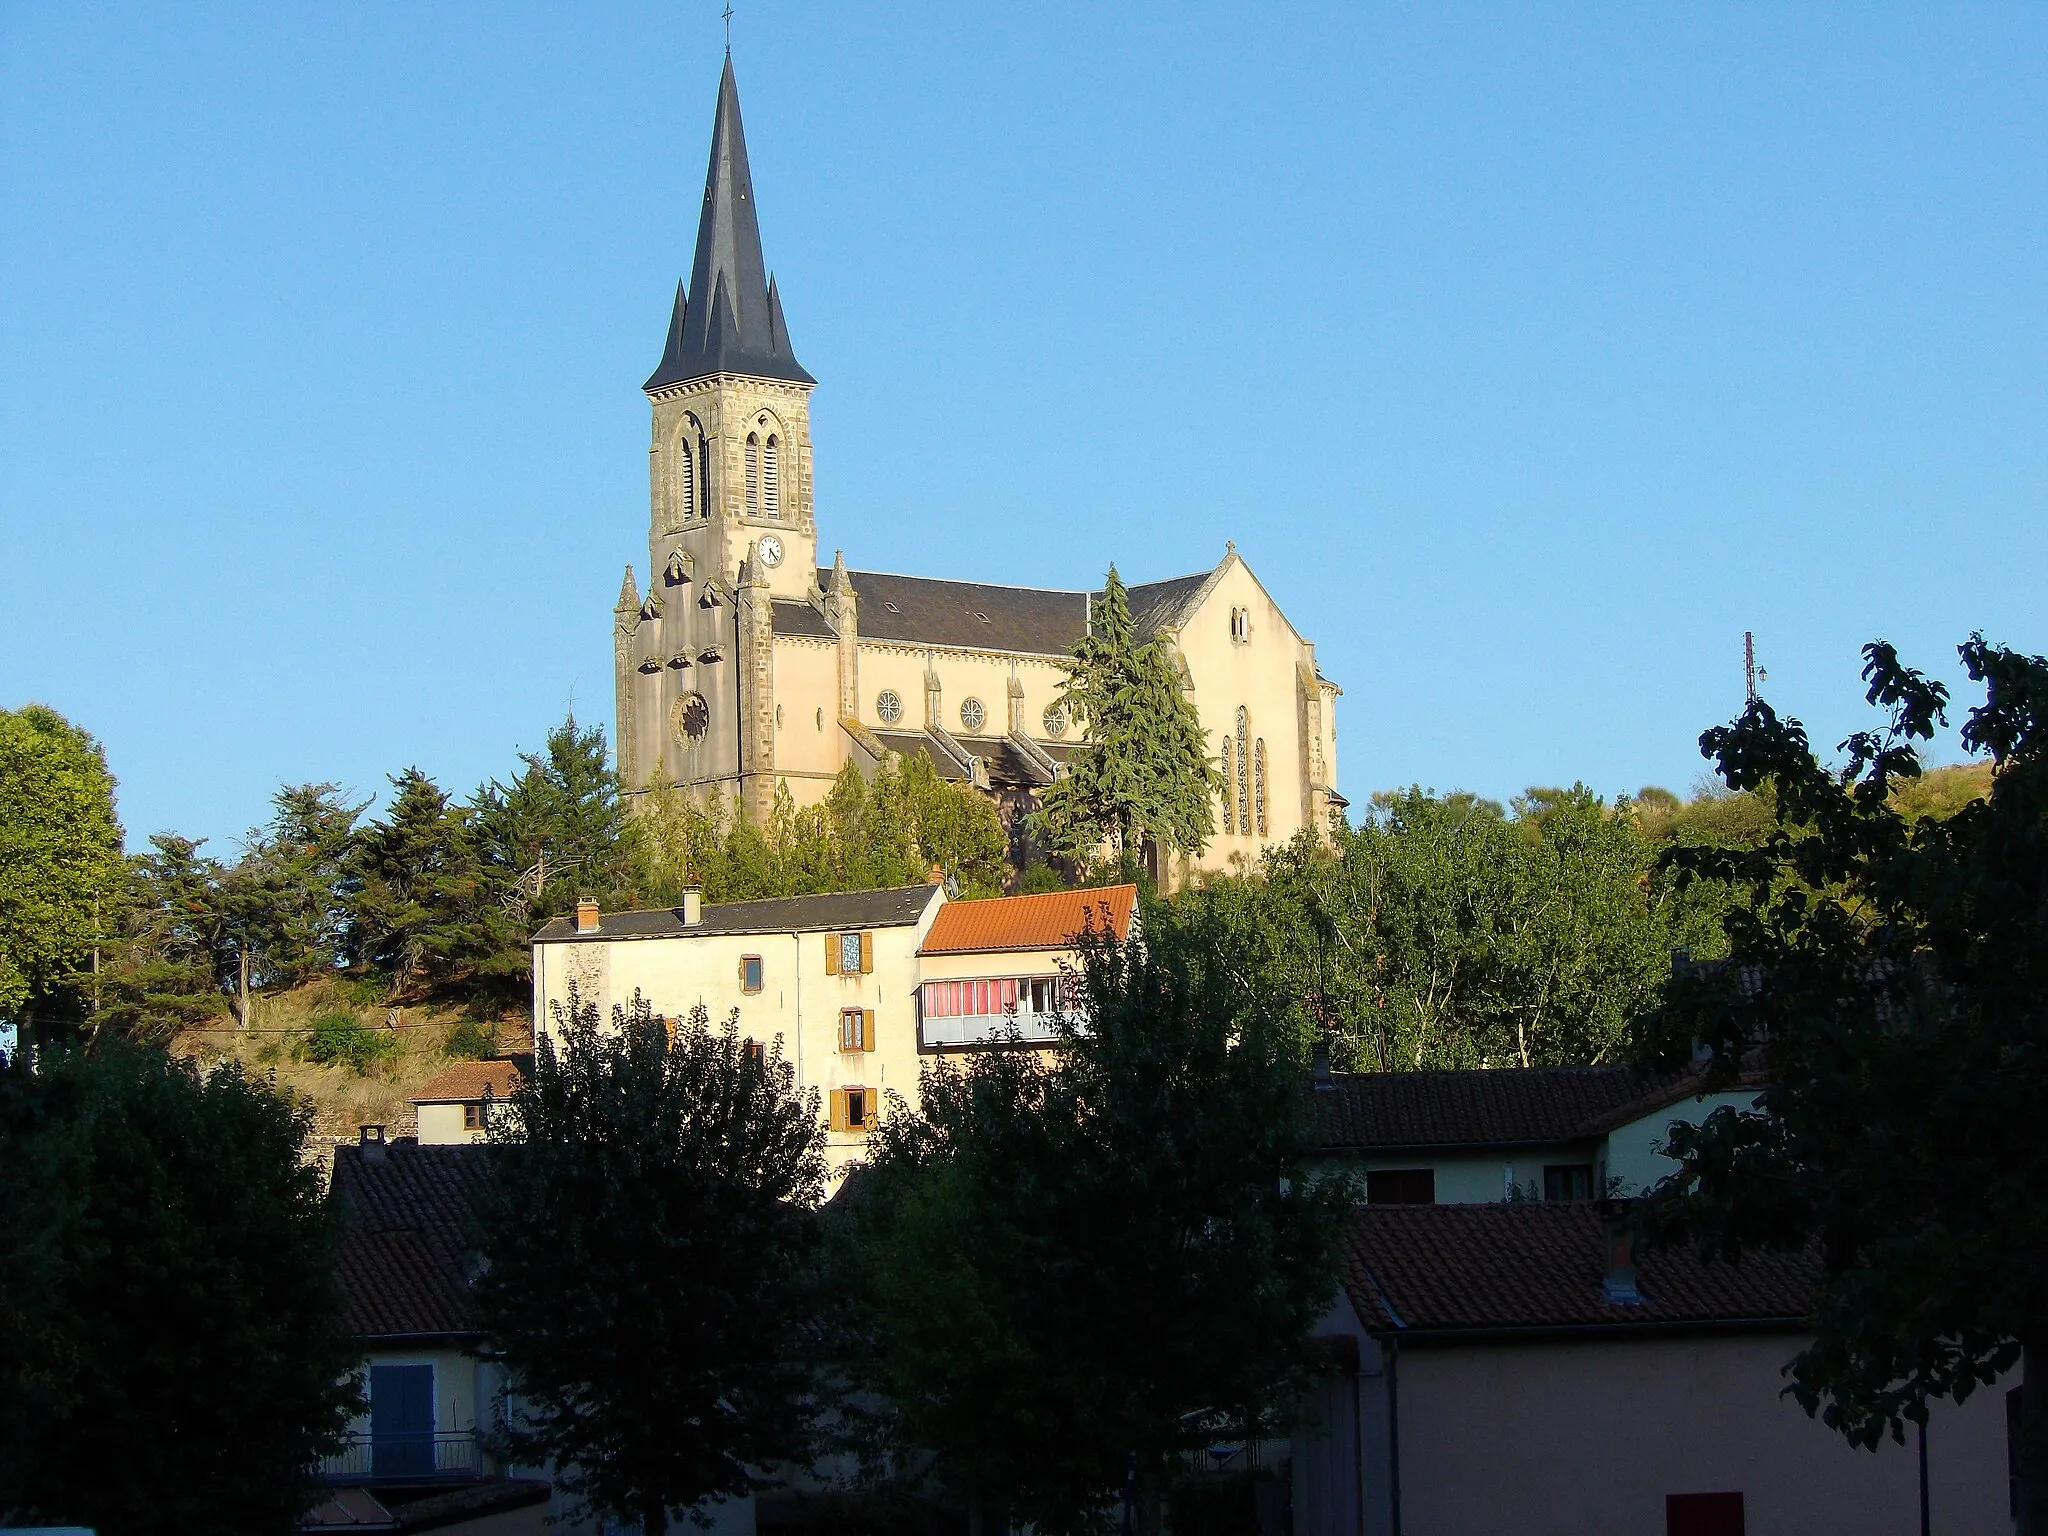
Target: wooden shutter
<point x="867" y="1029"/>
<point x="867" y="953"/>
<point x="838" y="1100"/>
<point x="831" y="954"/>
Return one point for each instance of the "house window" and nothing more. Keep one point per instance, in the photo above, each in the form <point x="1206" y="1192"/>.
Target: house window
<point x="1229" y="780"/>
<point x="686" y="483"/>
<point x="973" y="714"/>
<point x="754" y="1054"/>
<point x="472" y="1117"/>
<point x="753" y="475"/>
<point x="771" y="476"/>
<point x="1703" y="1514"/>
<point x="849" y="954"/>
<point x="1241" y="626"/>
<point x="1400" y="1186"/>
<point x="889" y="706"/>
<point x="1055" y="720"/>
<point x="856" y="1029"/>
<point x="750" y="973"/>
<point x="852" y="1109"/>
<point x="1568" y="1181"/>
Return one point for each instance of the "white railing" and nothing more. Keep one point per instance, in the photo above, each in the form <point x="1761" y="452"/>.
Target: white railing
<point x="440" y="1455"/>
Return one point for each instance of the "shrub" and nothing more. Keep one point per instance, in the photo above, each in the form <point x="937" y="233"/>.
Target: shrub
<point x="471" y="1040"/>
<point x="338" y="1038"/>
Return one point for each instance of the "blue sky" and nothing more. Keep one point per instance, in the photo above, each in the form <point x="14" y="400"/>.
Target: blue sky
<point x="1530" y="354"/>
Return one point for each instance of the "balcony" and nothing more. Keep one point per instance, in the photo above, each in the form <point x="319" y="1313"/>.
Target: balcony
<point x="436" y="1456"/>
<point x="970" y="1029"/>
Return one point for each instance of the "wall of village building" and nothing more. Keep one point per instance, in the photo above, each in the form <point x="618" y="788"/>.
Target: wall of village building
<point x="799" y="1005"/>
<point x="1633" y="1161"/>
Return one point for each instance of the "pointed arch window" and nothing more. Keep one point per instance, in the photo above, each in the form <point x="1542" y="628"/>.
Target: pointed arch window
<point x="1259" y="782"/>
<point x="1244" y="769"/>
<point x="1229" y="783"/>
<point x="686" y="482"/>
<point x="771" y="476"/>
<point x="753" y="475"/>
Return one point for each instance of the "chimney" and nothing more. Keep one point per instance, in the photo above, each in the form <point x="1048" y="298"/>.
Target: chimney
<point x="1319" y="1066"/>
<point x="370" y="1142"/>
<point x="1619" y="1283"/>
<point x="692" y="907"/>
<point x="586" y="914"/>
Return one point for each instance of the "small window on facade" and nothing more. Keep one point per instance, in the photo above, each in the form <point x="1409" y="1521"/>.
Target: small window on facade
<point x="472" y="1117"/>
<point x="1259" y="782"/>
<point x="1244" y="769"/>
<point x="1056" y="720"/>
<point x="750" y="973"/>
<point x="753" y="475"/>
<point x="1229" y="786"/>
<point x="1401" y="1186"/>
<point x="856" y="1029"/>
<point x="755" y="1054"/>
<point x="686" y="483"/>
<point x="1703" y="1514"/>
<point x="889" y="706"/>
<point x="771" y="477"/>
<point x="973" y="713"/>
<point x="1038" y="995"/>
<point x="1568" y="1181"/>
<point x="851" y="1108"/>
<point x="849" y="954"/>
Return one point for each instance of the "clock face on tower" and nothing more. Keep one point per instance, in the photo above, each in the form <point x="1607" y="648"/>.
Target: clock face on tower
<point x="771" y="550"/>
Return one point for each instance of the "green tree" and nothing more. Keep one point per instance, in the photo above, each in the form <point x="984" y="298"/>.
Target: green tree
<point x="1105" y="1256"/>
<point x="170" y="948"/>
<point x="1443" y="932"/>
<point x="295" y="886"/>
<point x="648" y="1232"/>
<point x="172" y="1351"/>
<point x="559" y="830"/>
<point x="1887" y="974"/>
<point x="1144" y="771"/>
<point x="426" y="909"/>
<point x="60" y="859"/>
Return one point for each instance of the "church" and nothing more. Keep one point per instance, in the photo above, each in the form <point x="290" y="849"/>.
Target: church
<point x="745" y="664"/>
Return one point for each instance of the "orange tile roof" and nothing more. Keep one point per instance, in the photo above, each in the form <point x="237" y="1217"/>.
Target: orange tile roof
<point x="470" y="1080"/>
<point x="1048" y="921"/>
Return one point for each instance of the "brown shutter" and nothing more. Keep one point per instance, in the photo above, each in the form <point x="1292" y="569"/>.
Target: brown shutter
<point x="831" y="954"/>
<point x="867" y="953"/>
<point x="867" y="1029"/>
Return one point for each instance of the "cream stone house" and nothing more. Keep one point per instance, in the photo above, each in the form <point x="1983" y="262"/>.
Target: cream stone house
<point x="856" y="988"/>
<point x="745" y="663"/>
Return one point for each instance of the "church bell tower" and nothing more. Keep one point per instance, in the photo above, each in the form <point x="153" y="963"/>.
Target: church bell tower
<point x="730" y="525"/>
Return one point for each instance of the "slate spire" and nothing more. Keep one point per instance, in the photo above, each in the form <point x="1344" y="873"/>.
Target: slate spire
<point x="730" y="320"/>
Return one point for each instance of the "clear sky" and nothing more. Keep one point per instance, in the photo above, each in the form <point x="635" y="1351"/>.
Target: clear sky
<point x="1529" y="353"/>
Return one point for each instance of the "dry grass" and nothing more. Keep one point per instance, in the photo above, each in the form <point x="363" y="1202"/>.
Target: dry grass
<point x="411" y="1045"/>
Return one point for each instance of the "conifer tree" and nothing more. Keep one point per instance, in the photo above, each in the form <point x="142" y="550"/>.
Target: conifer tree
<point x="297" y="884"/>
<point x="1144" y="771"/>
<point x="559" y="829"/>
<point x="426" y="908"/>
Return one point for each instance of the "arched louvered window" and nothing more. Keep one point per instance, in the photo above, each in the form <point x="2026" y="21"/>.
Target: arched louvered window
<point x="686" y="482"/>
<point x="771" y="476"/>
<point x="1229" y="786"/>
<point x="1244" y="769"/>
<point x="1259" y="782"/>
<point x="753" y="475"/>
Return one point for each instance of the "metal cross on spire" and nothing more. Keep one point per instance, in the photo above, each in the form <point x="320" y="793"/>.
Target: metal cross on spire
<point x="726" y="14"/>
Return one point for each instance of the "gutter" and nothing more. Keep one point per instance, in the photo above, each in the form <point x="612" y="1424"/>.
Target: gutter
<point x="1615" y="1330"/>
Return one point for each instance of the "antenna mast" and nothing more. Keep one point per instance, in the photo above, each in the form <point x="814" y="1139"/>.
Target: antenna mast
<point x="1749" y="664"/>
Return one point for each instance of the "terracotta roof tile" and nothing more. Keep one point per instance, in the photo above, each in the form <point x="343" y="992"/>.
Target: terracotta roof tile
<point x="1419" y="1268"/>
<point x="405" y="1232"/>
<point x="470" y="1080"/>
<point x="1051" y="920"/>
<point x="1499" y="1106"/>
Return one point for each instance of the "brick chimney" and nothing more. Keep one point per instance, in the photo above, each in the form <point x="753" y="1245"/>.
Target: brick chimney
<point x="586" y="914"/>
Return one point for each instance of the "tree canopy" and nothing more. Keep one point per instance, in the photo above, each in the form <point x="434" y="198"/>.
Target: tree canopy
<point x="172" y="1351"/>
<point x="1144" y="770"/>
<point x="1095" y="1260"/>
<point x="648" y="1230"/>
<point x="60" y="855"/>
<point x="1886" y="976"/>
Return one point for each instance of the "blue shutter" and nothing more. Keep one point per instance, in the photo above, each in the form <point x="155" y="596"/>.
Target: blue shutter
<point x="401" y="1421"/>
